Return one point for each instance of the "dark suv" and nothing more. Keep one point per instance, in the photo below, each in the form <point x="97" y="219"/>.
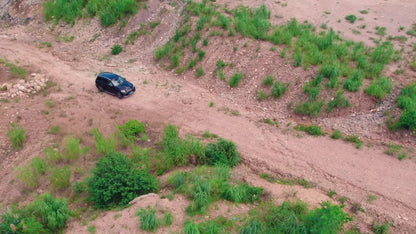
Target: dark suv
<point x="114" y="84"/>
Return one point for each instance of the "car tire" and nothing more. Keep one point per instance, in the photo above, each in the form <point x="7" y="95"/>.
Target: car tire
<point x="119" y="95"/>
<point x="100" y="89"/>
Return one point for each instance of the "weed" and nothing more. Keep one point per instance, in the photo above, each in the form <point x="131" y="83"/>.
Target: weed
<point x="191" y="228"/>
<point x="268" y="177"/>
<point x="336" y="134"/>
<point x="39" y="166"/>
<point x="72" y="149"/>
<point x="27" y="176"/>
<point x="16" y="70"/>
<point x="364" y="12"/>
<point x="380" y="30"/>
<point x="102" y="145"/>
<point x="279" y="89"/>
<point x="272" y="48"/>
<point x="327" y="12"/>
<point x="268" y="81"/>
<point x="200" y="71"/>
<point x="91" y="229"/>
<point x="351" y="18"/>
<point x="235" y="79"/>
<point x="207" y="134"/>
<point x="353" y="82"/>
<point x="17" y="135"/>
<point x="167" y="219"/>
<point x="338" y="102"/>
<point x="331" y="193"/>
<point x="271" y="122"/>
<point x="211" y="104"/>
<point x="116" y="49"/>
<point x="371" y="197"/>
<point x="381" y="228"/>
<point x="45" y="43"/>
<point x="261" y="95"/>
<point x="312" y="108"/>
<point x="60" y="177"/>
<point x="311" y="129"/>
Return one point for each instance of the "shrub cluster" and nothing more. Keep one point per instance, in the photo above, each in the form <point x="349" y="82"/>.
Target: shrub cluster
<point x="222" y="152"/>
<point x="44" y="215"/>
<point x="116" y="180"/>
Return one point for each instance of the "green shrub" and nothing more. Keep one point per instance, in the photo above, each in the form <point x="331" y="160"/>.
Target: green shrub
<point x="268" y="80"/>
<point x="351" y="18"/>
<point x="222" y="152"/>
<point x="261" y="95"/>
<point x="313" y="130"/>
<point x="148" y="219"/>
<point x="116" y="180"/>
<point x="17" y="135"/>
<point x="379" y="87"/>
<point x="176" y="59"/>
<point x="44" y="215"/>
<point x="408" y="119"/>
<point x="338" y="102"/>
<point x="383" y="53"/>
<point x="328" y="218"/>
<point x="407" y="102"/>
<point x="336" y="134"/>
<point x="116" y="49"/>
<point x="102" y="145"/>
<point x="235" y="79"/>
<point x="279" y="89"/>
<point x="60" y="177"/>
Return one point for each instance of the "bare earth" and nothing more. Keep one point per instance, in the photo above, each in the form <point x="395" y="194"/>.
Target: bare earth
<point x="163" y="97"/>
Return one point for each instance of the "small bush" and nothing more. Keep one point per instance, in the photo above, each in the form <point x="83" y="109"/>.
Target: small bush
<point x="353" y="82"/>
<point x="351" y="18"/>
<point x="191" y="228"/>
<point x="279" y="89"/>
<point x="379" y="87"/>
<point x="27" y="176"/>
<point x="116" y="181"/>
<point x="222" y="152"/>
<point x="235" y="79"/>
<point x="131" y="130"/>
<point x="148" y="219"/>
<point x="17" y="135"/>
<point x="116" y="49"/>
<point x="241" y="193"/>
<point x="39" y="166"/>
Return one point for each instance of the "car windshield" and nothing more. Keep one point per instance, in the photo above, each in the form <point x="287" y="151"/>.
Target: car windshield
<point x="118" y="81"/>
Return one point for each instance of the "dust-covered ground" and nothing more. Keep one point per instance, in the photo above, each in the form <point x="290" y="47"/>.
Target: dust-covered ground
<point x="163" y="97"/>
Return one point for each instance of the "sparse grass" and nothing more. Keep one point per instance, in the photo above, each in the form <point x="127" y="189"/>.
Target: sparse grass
<point x="60" y="177"/>
<point x="354" y="139"/>
<point x="381" y="228"/>
<point x="103" y="145"/>
<point x="364" y="12"/>
<point x="207" y="134"/>
<point x="148" y="219"/>
<point x="279" y="88"/>
<point x="271" y="122"/>
<point x="17" y="135"/>
<point x="338" y="102"/>
<point x="72" y="149"/>
<point x="261" y="95"/>
<point x="15" y="69"/>
<point x="331" y="193"/>
<point x="380" y="30"/>
<point x="200" y="71"/>
<point x="268" y="81"/>
<point x="371" y="197"/>
<point x="380" y="87"/>
<point x="312" y="108"/>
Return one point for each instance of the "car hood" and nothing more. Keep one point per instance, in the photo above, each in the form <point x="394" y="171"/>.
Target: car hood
<point x="126" y="86"/>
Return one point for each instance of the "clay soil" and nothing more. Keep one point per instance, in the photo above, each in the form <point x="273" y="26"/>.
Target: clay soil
<point x="162" y="97"/>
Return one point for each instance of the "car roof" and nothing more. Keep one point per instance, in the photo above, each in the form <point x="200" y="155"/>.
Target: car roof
<point x="108" y="75"/>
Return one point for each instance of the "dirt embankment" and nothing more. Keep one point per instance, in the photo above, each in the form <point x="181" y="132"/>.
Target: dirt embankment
<point x="163" y="97"/>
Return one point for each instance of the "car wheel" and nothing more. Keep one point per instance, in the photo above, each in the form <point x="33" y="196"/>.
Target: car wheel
<point x="119" y="95"/>
<point x="100" y="89"/>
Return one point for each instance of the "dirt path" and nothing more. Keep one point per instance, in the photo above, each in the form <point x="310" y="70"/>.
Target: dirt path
<point x="166" y="99"/>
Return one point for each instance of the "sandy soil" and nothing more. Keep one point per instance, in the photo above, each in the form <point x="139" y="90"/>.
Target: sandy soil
<point x="163" y="97"/>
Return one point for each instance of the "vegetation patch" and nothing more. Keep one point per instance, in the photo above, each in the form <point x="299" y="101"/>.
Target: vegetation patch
<point x="17" y="135"/>
<point x="311" y="129"/>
